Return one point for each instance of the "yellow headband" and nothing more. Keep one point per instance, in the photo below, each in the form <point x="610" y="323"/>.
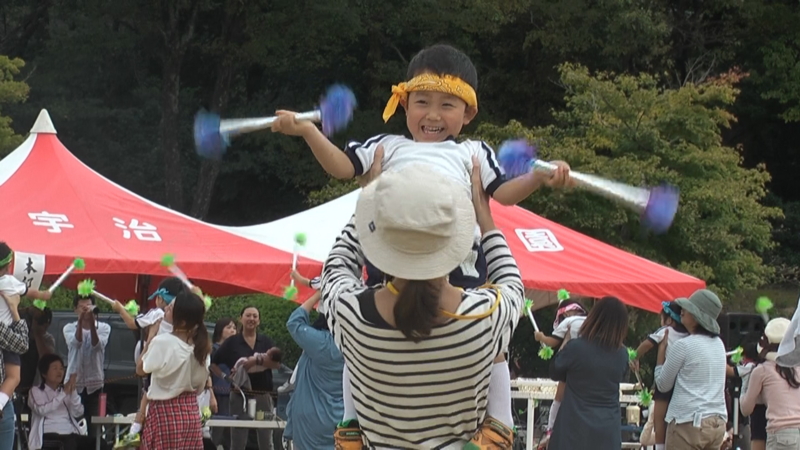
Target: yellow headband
<point x="430" y="82"/>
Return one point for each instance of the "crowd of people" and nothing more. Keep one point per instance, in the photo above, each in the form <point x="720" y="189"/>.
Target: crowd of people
<point x="412" y="355"/>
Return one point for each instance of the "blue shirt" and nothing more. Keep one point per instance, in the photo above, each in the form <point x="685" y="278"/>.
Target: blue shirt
<point x="316" y="405"/>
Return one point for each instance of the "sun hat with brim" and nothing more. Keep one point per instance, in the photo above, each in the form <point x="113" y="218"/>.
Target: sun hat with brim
<point x="705" y="307"/>
<point x="770" y="341"/>
<point x="415" y="224"/>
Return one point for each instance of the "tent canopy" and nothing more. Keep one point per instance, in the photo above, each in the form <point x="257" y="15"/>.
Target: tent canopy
<point x="550" y="256"/>
<point x="61" y="209"/>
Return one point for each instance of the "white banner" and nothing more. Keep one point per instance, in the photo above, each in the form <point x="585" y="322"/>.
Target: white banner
<point x="29" y="268"/>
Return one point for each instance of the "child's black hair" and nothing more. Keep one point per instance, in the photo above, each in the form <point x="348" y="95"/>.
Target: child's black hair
<point x="443" y="59"/>
<point x="5" y="251"/>
<point x="172" y="285"/>
<point x="676" y="325"/>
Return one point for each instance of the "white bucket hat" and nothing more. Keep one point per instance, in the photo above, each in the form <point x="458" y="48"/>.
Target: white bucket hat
<point x="773" y="334"/>
<point x="415" y="224"/>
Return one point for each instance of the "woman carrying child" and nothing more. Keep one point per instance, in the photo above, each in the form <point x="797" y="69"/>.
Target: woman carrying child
<point x="670" y="320"/>
<point x="177" y="363"/>
<point x="569" y="319"/>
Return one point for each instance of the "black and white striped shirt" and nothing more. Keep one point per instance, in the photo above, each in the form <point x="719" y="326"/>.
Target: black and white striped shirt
<point x="430" y="394"/>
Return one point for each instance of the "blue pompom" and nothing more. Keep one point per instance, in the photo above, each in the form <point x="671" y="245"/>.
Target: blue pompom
<point x="516" y="156"/>
<point x="337" y="109"/>
<point x="662" y="205"/>
<point x="209" y="142"/>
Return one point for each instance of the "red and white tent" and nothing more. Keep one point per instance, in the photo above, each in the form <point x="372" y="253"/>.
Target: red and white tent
<point x="56" y="209"/>
<point x="550" y="256"/>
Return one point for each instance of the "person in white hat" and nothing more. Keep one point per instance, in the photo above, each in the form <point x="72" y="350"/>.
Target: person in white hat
<point x="779" y="388"/>
<point x="695" y="369"/>
<point x="420" y="352"/>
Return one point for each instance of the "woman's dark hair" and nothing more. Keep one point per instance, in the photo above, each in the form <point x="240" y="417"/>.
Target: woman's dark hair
<point x="442" y="59"/>
<point x="787" y="373"/>
<point x="187" y="314"/>
<point x="417" y="309"/>
<point x="700" y="330"/>
<point x="44" y="365"/>
<point x="248" y="307"/>
<point x="607" y="323"/>
<point x="676" y="325"/>
<point x="219" y="327"/>
<point x="750" y="351"/>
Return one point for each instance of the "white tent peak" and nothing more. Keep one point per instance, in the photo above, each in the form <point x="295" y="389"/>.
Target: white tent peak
<point x="43" y="124"/>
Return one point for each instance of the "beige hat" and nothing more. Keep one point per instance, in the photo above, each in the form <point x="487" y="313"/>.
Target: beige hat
<point x="773" y="334"/>
<point x="415" y="223"/>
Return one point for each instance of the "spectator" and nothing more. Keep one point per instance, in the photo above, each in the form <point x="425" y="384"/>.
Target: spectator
<point x="55" y="409"/>
<point x="13" y="338"/>
<point x="695" y="368"/>
<point x="86" y="342"/>
<point x="223" y="329"/>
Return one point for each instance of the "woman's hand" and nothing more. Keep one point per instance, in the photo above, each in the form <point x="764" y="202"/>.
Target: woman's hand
<point x="299" y="279"/>
<point x="662" y="349"/>
<point x="480" y="201"/>
<point x="375" y="170"/>
<point x="567" y="337"/>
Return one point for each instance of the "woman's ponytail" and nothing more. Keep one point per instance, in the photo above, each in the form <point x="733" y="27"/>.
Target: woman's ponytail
<point x="417" y="309"/>
<point x="202" y="344"/>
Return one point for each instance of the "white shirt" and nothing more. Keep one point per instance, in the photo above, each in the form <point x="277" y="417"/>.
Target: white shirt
<point x="674" y="336"/>
<point x="173" y="368"/>
<point x="451" y="158"/>
<point x="85" y="359"/>
<point x="571" y="323"/>
<point x="9" y="285"/>
<point x="695" y="367"/>
<point x="53" y="411"/>
<point x="147" y="319"/>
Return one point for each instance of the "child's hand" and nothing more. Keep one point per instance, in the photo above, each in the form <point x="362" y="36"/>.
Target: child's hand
<point x="286" y="123"/>
<point x="539" y="336"/>
<point x="634" y="364"/>
<point x="45" y="295"/>
<point x="558" y="179"/>
<point x="168" y="313"/>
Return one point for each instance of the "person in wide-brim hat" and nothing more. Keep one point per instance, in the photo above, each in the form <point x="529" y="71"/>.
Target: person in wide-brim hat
<point x="704" y="306"/>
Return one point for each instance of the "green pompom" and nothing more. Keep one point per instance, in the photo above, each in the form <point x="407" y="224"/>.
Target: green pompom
<point x="645" y="398"/>
<point x="763" y="304"/>
<point x="545" y="352"/>
<point x="563" y="295"/>
<point x="208" y="301"/>
<point x="300" y="239"/>
<point x="41" y="304"/>
<point x="632" y="354"/>
<point x="205" y="414"/>
<point x="132" y="307"/>
<point x="79" y="264"/>
<point x="290" y="293"/>
<point x="86" y="287"/>
<point x="168" y="260"/>
<point x="528" y="304"/>
<point x="737" y="357"/>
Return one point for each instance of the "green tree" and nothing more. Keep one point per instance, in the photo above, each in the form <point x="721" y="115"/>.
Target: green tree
<point x="629" y="129"/>
<point x="11" y="91"/>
